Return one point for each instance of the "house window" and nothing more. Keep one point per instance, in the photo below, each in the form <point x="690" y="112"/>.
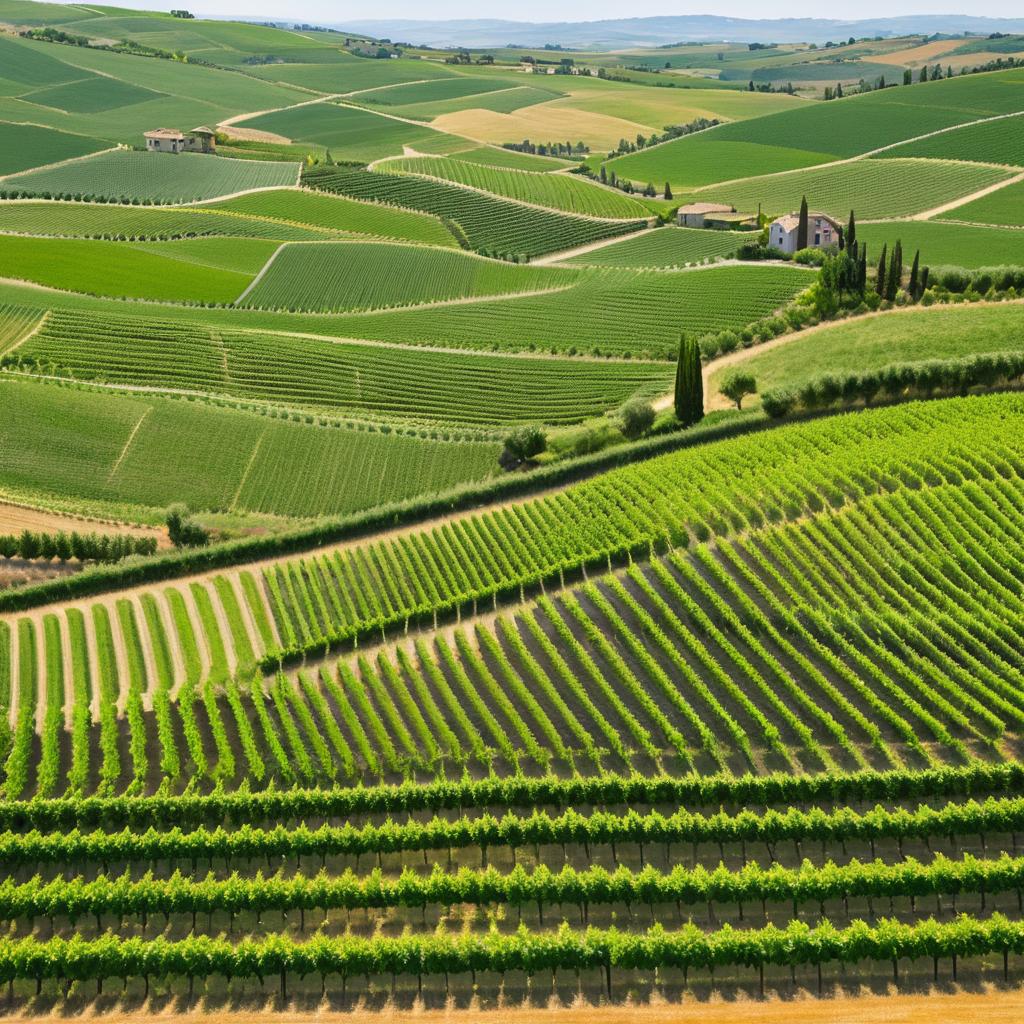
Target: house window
<point x="817" y="238"/>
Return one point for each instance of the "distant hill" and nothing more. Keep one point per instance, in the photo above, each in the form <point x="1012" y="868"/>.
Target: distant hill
<point x="660" y="31"/>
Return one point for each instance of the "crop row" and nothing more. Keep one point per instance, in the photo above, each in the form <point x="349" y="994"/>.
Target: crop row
<point x="487" y="832"/>
<point x="491" y="225"/>
<point x="124" y="895"/>
<point x="564" y="192"/>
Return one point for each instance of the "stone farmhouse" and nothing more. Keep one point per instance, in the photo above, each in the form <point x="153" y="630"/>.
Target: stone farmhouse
<point x="170" y="140"/>
<point x="714" y="215"/>
<point x="823" y="232"/>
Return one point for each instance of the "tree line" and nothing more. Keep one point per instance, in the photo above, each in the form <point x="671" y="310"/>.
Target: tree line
<point x="84" y="547"/>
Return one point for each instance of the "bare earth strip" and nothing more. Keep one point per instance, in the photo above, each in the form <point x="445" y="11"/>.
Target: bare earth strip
<point x="15" y="518"/>
<point x="993" y="1006"/>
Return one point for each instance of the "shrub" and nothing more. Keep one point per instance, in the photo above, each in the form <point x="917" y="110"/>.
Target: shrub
<point x="523" y="444"/>
<point x="637" y="419"/>
<point x="737" y="385"/>
<point x="183" y="531"/>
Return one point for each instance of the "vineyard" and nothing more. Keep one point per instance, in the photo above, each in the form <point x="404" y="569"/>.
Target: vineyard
<point x="97" y="452"/>
<point x="129" y="177"/>
<point x="993" y="142"/>
<point x="1005" y="206"/>
<point x="664" y="250"/>
<point x="490" y="225"/>
<point x="435" y="583"/>
<point x="557" y="191"/>
<point x="609" y="312"/>
<point x="779" y="738"/>
<point x="874" y="188"/>
<point x="346" y="276"/>
<point x="446" y="387"/>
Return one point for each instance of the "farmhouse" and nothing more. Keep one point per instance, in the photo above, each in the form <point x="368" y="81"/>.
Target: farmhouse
<point x="696" y="215"/>
<point x="822" y="232"/>
<point x="170" y="140"/>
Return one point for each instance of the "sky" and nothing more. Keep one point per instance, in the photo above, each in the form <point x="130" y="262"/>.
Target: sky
<point x="573" y="10"/>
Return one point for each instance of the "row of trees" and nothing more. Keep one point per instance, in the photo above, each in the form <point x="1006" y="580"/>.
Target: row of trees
<point x="672" y="131"/>
<point x="85" y="547"/>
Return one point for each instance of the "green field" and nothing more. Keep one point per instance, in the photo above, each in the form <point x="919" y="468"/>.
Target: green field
<point x="941" y="244"/>
<point x="339" y="276"/>
<point x="558" y="191"/>
<point x="816" y="133"/>
<point x="107" y="451"/>
<point x="118" y="269"/>
<point x="336" y="213"/>
<point x="872" y="188"/>
<point x="491" y="156"/>
<point x="609" y="311"/>
<point x="104" y="220"/>
<point x="349" y="132"/>
<point x="351" y="275"/>
<point x="446" y="715"/>
<point x="490" y="224"/>
<point x="1005" y="206"/>
<point x="897" y="337"/>
<point x="664" y="249"/>
<point x="91" y="96"/>
<point x="27" y="145"/>
<point x="996" y="142"/>
<point x="152" y="177"/>
<point x="686" y="165"/>
<point x="372" y="379"/>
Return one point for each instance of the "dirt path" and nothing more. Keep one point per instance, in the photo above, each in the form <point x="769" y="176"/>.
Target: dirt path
<point x="964" y="200"/>
<point x="603" y="243"/>
<point x="259" y="277"/>
<point x="993" y="1006"/>
<point x="717" y="401"/>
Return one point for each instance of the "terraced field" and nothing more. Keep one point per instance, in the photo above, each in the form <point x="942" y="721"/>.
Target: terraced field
<point x="99" y="220"/>
<point x="664" y="250"/>
<point x="997" y="142"/>
<point x="694" y="659"/>
<point x="873" y="188"/>
<point x="341" y="276"/>
<point x="557" y="191"/>
<point x="954" y="245"/>
<point x="29" y="145"/>
<point x="130" y="456"/>
<point x="1005" y="206"/>
<point x="489" y="224"/>
<point x="118" y="270"/>
<point x="609" y="312"/>
<point x="125" y="176"/>
<point x="309" y="371"/>
<point x="817" y="133"/>
<point x="904" y="336"/>
<point x="336" y="213"/>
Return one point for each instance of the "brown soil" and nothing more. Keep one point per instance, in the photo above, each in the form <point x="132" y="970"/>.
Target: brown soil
<point x="253" y="135"/>
<point x="15" y="518"/>
<point x="992" y="1007"/>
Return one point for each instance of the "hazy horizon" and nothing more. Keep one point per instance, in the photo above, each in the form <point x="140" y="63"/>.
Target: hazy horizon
<point x="323" y="11"/>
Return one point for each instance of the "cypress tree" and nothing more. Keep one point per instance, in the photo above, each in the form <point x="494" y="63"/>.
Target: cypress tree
<point x="603" y="175"/>
<point x="801" y="231"/>
<point x="851" y="235"/>
<point x="924" y="74"/>
<point x="892" y="284"/>
<point x="880" y="274"/>
<point x="913" y="285"/>
<point x="862" y="275"/>
<point x="668" y="190"/>
<point x="689" y="394"/>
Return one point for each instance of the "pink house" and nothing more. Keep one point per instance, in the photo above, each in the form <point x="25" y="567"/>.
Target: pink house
<point x="822" y="232"/>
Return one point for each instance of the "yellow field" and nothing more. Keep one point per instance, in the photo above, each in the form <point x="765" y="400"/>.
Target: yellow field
<point x="601" y="113"/>
<point x="915" y="56"/>
<point x="544" y="122"/>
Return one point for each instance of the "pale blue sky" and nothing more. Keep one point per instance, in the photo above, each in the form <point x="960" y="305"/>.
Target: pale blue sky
<point x="575" y="10"/>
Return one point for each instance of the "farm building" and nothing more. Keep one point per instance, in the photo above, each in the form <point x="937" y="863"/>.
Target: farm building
<point x="170" y="140"/>
<point x="696" y="215"/>
<point x="822" y="232"/>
